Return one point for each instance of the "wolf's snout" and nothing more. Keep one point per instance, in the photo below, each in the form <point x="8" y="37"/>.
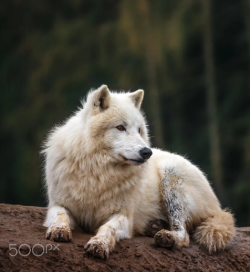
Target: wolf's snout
<point x="146" y="153"/>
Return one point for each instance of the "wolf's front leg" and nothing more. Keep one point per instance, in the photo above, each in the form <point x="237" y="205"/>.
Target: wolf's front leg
<point x="60" y="223"/>
<point x="177" y="236"/>
<point x="117" y="228"/>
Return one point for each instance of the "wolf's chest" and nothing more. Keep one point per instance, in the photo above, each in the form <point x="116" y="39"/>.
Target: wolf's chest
<point x="92" y="201"/>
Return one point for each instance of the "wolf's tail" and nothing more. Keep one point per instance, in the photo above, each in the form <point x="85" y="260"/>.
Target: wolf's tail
<point x="215" y="233"/>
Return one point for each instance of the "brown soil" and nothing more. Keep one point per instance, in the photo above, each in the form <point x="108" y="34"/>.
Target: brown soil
<point x="21" y="225"/>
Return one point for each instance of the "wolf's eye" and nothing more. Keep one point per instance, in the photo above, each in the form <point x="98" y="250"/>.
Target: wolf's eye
<point x="121" y="127"/>
<point x="139" y="130"/>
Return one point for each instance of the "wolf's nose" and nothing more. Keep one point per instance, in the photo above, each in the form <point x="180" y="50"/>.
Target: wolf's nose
<point x="146" y="153"/>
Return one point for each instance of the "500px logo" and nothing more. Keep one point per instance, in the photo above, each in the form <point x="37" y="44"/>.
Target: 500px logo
<point x="37" y="250"/>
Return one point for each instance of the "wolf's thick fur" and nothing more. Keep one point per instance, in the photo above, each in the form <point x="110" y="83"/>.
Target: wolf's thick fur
<point x="97" y="178"/>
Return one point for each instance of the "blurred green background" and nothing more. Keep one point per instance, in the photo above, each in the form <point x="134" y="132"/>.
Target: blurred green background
<point x="192" y="58"/>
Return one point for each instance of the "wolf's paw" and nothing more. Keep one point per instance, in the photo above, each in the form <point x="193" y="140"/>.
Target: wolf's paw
<point x="165" y="238"/>
<point x="97" y="248"/>
<point x="59" y="234"/>
<point x="153" y="227"/>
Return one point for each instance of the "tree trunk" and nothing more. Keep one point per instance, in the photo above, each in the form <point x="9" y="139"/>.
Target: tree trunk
<point x="247" y="19"/>
<point x="215" y="154"/>
<point x="151" y="68"/>
<point x="246" y="6"/>
<point x="154" y="97"/>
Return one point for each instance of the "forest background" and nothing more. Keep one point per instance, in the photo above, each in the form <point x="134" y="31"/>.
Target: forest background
<point x="192" y="58"/>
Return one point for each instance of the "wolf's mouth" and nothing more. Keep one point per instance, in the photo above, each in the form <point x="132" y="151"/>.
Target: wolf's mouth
<point x="140" y="161"/>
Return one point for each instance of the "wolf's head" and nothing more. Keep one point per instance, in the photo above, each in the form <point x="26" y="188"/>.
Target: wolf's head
<point x="116" y="126"/>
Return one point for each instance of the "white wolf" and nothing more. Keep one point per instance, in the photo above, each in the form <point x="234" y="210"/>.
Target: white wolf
<point x="102" y="175"/>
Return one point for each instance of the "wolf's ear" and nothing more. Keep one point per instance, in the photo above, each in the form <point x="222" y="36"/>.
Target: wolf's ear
<point x="137" y="97"/>
<point x="101" y="98"/>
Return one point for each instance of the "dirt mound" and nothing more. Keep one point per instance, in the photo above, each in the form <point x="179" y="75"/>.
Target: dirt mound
<point x="22" y="236"/>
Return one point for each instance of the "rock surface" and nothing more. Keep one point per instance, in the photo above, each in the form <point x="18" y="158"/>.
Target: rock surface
<point x="20" y="225"/>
